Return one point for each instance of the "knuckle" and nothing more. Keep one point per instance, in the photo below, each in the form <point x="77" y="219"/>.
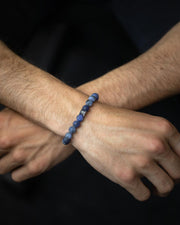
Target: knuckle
<point x="126" y="176"/>
<point x="36" y="168"/>
<point x="18" y="155"/>
<point x="144" y="163"/>
<point x="4" y="142"/>
<point x="165" y="126"/>
<point x="157" y="146"/>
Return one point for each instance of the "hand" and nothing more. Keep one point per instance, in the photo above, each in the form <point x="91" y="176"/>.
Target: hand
<point x="125" y="146"/>
<point x="27" y="149"/>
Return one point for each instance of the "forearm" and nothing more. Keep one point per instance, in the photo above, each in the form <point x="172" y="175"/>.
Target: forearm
<point x="147" y="79"/>
<point x="46" y="100"/>
<point x="36" y="94"/>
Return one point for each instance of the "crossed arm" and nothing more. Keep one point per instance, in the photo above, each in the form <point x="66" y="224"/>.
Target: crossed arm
<point x="113" y="140"/>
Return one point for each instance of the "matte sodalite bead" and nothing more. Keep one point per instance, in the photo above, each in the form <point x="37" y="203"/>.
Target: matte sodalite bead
<point x="95" y="95"/>
<point x="76" y="123"/>
<point x="80" y="117"/>
<point x="67" y="138"/>
<point x="72" y="129"/>
<point x="91" y="98"/>
<point x="85" y="108"/>
<point x="68" y="135"/>
<point x="89" y="102"/>
<point x="82" y="112"/>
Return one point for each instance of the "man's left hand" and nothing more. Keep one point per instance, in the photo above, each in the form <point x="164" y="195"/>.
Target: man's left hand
<point x="26" y="149"/>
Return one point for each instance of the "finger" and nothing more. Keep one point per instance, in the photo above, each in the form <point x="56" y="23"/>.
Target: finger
<point x="172" y="135"/>
<point x="10" y="137"/>
<point x="7" y="141"/>
<point x="128" y="179"/>
<point x="11" y="161"/>
<point x="38" y="163"/>
<point x="170" y="161"/>
<point x="137" y="189"/>
<point x="174" y="142"/>
<point x="158" y="177"/>
<point x="26" y="172"/>
<point x="33" y="168"/>
<point x="21" y="174"/>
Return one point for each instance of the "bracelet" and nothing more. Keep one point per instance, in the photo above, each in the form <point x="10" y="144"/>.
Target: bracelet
<point x="67" y="138"/>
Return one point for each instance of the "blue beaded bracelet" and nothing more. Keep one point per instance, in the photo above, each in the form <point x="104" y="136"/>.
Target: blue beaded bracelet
<point x="67" y="138"/>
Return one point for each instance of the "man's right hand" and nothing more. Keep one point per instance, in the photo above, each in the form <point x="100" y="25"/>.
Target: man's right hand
<point x="124" y="146"/>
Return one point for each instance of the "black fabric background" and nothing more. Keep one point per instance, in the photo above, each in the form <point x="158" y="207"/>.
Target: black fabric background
<point x="79" y="41"/>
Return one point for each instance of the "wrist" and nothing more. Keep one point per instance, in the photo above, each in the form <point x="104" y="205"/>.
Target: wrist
<point x="105" y="87"/>
<point x="67" y="111"/>
<point x="89" y="128"/>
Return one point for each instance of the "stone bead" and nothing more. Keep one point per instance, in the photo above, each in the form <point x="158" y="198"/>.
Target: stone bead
<point x="68" y="135"/>
<point x="91" y="98"/>
<point x="72" y="129"/>
<point x="85" y="108"/>
<point x="82" y="112"/>
<point x="80" y="117"/>
<point x="95" y="95"/>
<point x="89" y="102"/>
<point x="76" y="123"/>
<point x="66" y="140"/>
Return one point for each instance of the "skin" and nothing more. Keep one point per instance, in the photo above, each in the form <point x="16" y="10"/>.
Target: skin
<point x="148" y="78"/>
<point x="133" y="146"/>
<point x="28" y="147"/>
<point x="123" y="163"/>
